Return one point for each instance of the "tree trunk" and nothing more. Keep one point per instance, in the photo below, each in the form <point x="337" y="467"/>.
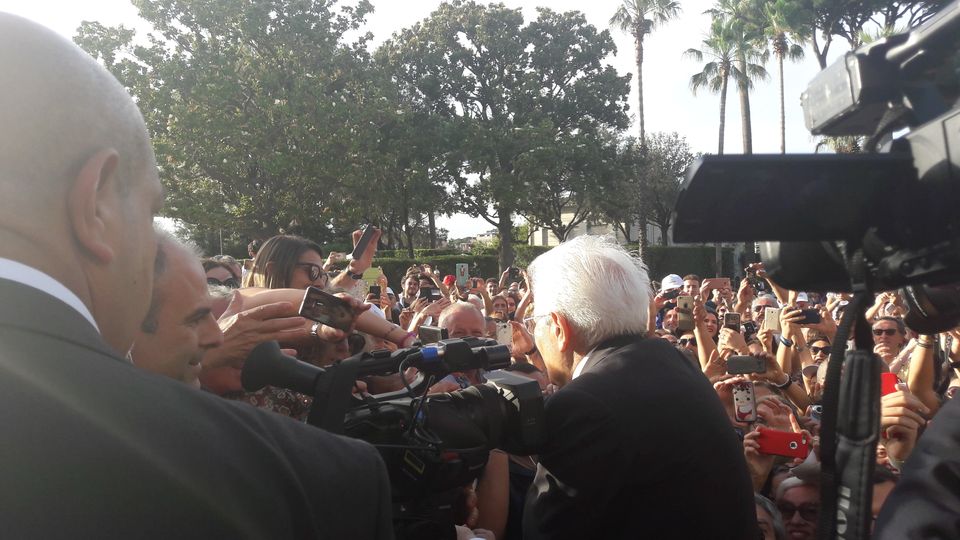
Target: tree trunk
<point x="664" y="236"/>
<point x="718" y="253"/>
<point x="643" y="133"/>
<point x="505" y="228"/>
<point x="407" y="229"/>
<point x="723" y="114"/>
<point x="432" y="220"/>
<point x="744" y="92"/>
<point x="783" y="125"/>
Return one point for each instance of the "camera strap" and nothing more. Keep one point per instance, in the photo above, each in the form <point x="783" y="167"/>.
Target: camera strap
<point x="849" y="428"/>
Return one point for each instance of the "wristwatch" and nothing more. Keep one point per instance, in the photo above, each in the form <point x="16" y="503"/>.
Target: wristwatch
<point x="351" y="274"/>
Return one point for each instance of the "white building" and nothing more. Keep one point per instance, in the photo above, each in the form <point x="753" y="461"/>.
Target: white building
<point x="545" y="237"/>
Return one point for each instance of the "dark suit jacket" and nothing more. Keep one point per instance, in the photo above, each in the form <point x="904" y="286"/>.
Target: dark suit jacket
<point x="639" y="446"/>
<point x="926" y="501"/>
<point x="94" y="447"/>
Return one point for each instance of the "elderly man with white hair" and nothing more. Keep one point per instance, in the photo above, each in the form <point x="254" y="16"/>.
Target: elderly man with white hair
<point x="638" y="445"/>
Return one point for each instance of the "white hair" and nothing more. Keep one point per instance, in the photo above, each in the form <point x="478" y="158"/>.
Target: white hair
<point x="600" y="288"/>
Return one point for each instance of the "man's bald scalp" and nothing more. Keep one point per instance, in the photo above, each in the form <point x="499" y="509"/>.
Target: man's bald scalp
<point x="58" y="107"/>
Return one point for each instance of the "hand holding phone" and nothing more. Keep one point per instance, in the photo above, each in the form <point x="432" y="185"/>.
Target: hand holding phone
<point x="774" y="442"/>
<point x="363" y="242"/>
<point x="685" y="322"/>
<point x="744" y="402"/>
<point x="327" y="309"/>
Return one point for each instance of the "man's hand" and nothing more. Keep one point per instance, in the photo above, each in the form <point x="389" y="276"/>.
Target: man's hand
<point x="901" y="417"/>
<point x="745" y="293"/>
<point x="885" y="352"/>
<point x="522" y="340"/>
<point x="245" y="330"/>
<point x="789" y="317"/>
<point x="732" y="340"/>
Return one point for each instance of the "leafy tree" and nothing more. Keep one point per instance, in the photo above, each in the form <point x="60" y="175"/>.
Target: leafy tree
<point x="639" y="18"/>
<point x="667" y="159"/>
<point x="618" y="197"/>
<point x="260" y="112"/>
<point x="510" y="90"/>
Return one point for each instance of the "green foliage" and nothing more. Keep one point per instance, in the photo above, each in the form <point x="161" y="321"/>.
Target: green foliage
<point x="667" y="157"/>
<point x="525" y="254"/>
<point x="515" y="95"/>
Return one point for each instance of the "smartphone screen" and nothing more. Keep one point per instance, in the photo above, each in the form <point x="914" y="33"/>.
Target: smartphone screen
<point x="326" y="309"/>
<point x="375" y="290"/>
<point x="732" y="321"/>
<point x="363" y="242"/>
<point x="463" y="274"/>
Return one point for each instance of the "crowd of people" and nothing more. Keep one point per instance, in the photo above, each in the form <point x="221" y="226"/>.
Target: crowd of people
<point x="122" y="352"/>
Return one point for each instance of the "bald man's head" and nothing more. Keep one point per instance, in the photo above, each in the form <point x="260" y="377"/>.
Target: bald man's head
<point x="58" y="107"/>
<point x="78" y="179"/>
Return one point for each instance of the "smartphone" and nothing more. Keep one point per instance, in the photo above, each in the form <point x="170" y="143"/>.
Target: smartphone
<point x="513" y="274"/>
<point x="722" y="282"/>
<point x="504" y="333"/>
<point x="671" y="294"/>
<point x="739" y="365"/>
<point x="888" y="383"/>
<point x="685" y="313"/>
<point x="816" y="412"/>
<point x="431" y="334"/>
<point x="327" y="309"/>
<point x="744" y="402"/>
<point x="774" y="442"/>
<point x="463" y="274"/>
<point x="732" y="321"/>
<point x="375" y="290"/>
<point x="364" y="241"/>
<point x="810" y="316"/>
<point x="749" y="328"/>
<point x="771" y="319"/>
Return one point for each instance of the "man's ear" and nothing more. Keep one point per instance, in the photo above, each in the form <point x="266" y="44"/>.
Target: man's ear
<point x="91" y="204"/>
<point x="563" y="332"/>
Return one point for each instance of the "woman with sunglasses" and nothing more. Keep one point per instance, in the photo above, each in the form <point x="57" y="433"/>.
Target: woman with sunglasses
<point x="220" y="273"/>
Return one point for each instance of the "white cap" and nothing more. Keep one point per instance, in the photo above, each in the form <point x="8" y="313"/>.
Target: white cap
<point x="376" y="309"/>
<point x="672" y="281"/>
<point x="390" y="291"/>
<point x="802" y="297"/>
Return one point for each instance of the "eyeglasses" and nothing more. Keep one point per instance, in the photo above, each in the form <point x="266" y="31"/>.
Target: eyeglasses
<point x="809" y="512"/>
<point x="531" y="322"/>
<point x="881" y="331"/>
<point x="687" y="341"/>
<point x="229" y="282"/>
<point x="818" y="350"/>
<point x="313" y="271"/>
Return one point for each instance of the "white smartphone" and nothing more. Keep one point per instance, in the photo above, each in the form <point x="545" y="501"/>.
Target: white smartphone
<point x="744" y="402"/>
<point x="771" y="319"/>
<point x="504" y="333"/>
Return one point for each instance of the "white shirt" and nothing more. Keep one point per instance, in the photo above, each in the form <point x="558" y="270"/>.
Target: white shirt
<point x="35" y="279"/>
<point x="582" y="363"/>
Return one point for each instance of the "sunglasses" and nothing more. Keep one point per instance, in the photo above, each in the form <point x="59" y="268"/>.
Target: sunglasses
<point x="313" y="271"/>
<point x="229" y="282"/>
<point x="818" y="350"/>
<point x="809" y="512"/>
<point x="882" y="331"/>
<point x="687" y="341"/>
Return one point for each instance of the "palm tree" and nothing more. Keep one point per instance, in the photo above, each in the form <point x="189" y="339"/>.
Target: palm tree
<point x="746" y="31"/>
<point x="720" y="46"/>
<point x="787" y="34"/>
<point x="639" y="18"/>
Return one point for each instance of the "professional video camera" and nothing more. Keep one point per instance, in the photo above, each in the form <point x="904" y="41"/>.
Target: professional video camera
<point x="432" y="445"/>
<point x="897" y="210"/>
<point x="864" y="223"/>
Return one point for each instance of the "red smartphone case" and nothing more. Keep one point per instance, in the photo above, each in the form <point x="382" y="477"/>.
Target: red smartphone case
<point x="888" y="383"/>
<point x="783" y="443"/>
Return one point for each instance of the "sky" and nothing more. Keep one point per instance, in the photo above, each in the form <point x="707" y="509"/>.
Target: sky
<point x="669" y="104"/>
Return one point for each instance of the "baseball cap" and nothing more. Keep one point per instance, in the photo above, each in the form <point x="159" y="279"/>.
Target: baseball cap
<point x="449" y="279"/>
<point x="802" y="297"/>
<point x="390" y="291"/>
<point x="672" y="281"/>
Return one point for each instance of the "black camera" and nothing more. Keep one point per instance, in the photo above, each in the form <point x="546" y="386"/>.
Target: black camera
<point x="432" y="445"/>
<point x="886" y="219"/>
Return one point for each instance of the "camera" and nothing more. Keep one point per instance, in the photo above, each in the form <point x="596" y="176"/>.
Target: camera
<point x="886" y="219"/>
<point x="432" y="445"/>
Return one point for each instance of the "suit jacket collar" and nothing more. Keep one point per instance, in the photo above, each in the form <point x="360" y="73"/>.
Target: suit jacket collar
<point x="605" y="348"/>
<point x="33" y="310"/>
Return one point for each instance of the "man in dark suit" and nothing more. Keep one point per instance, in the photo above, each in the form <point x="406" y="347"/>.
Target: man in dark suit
<point x="93" y="446"/>
<point x="638" y="444"/>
